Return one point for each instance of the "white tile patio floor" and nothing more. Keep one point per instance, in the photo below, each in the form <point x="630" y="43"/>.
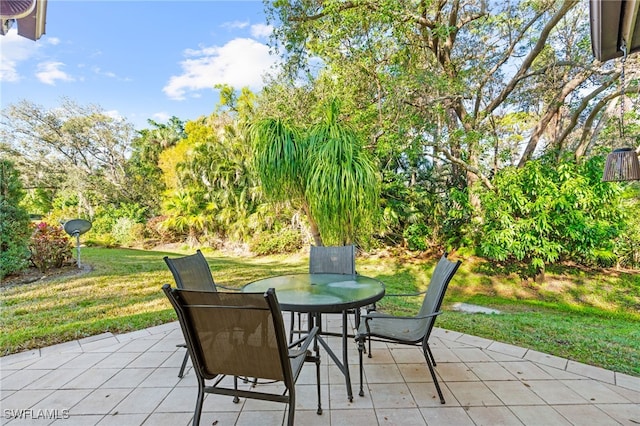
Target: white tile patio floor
<point x="131" y="379"/>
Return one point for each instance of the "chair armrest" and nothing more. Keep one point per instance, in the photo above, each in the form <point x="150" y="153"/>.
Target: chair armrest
<point x="368" y="317"/>
<point x="305" y="342"/>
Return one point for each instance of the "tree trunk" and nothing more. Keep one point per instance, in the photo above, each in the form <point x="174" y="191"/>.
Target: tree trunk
<point x="313" y="226"/>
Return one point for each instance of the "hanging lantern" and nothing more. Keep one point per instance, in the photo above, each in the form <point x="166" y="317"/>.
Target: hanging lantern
<point x="622" y="165"/>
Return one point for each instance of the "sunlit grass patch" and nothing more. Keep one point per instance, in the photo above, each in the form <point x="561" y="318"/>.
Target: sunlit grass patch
<point x="587" y="316"/>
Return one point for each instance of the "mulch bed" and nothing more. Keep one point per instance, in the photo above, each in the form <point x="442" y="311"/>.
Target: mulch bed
<point x="32" y="274"/>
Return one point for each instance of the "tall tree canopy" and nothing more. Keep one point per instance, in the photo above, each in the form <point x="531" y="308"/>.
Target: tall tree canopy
<point x="77" y="150"/>
<point x="452" y="76"/>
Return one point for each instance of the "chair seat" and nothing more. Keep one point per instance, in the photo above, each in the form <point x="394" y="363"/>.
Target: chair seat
<point x="409" y="330"/>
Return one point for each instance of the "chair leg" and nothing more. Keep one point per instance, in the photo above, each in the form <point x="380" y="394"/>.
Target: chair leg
<point x="433" y="360"/>
<point x="184" y="364"/>
<point x="291" y="327"/>
<point x="292" y="406"/>
<point x="360" y="350"/>
<point x="370" y="308"/>
<point x="357" y="319"/>
<point x="317" y="361"/>
<point x="236" y="399"/>
<point x="198" y="411"/>
<point x="426" y="351"/>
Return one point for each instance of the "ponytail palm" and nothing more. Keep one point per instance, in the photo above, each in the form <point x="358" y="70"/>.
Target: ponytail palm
<point x="279" y="156"/>
<point x="327" y="174"/>
<point x="342" y="183"/>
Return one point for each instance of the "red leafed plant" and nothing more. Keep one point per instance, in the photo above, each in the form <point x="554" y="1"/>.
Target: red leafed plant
<point x="50" y="247"/>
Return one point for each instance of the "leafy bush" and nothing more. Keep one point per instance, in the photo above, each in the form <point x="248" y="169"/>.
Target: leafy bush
<point x="106" y="217"/>
<point x="416" y="236"/>
<point x="50" y="247"/>
<point x="628" y="243"/>
<point x="12" y="260"/>
<point x="127" y="232"/>
<point x="285" y="241"/>
<point x="545" y="212"/>
<point x="14" y="222"/>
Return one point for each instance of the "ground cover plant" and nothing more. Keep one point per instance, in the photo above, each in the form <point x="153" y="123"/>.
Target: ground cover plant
<point x="589" y="316"/>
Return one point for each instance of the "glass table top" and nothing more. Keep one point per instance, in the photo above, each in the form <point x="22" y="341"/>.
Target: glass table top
<point x="320" y="292"/>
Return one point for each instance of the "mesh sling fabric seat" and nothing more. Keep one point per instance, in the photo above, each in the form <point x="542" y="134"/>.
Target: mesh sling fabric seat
<point x="410" y="330"/>
<point x="240" y="334"/>
<point x="328" y="260"/>
<point x="191" y="272"/>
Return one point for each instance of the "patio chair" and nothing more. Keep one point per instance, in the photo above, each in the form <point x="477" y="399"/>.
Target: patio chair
<point x="332" y="260"/>
<point x="191" y="272"/>
<point x="240" y="334"/>
<point x="413" y="330"/>
<point x="327" y="260"/>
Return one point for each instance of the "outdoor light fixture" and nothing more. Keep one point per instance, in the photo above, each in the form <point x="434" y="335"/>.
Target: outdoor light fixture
<point x="622" y="164"/>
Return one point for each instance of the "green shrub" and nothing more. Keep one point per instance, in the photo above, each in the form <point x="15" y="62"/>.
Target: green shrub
<point x="547" y="212"/>
<point x="285" y="241"/>
<point x="14" y="222"/>
<point x="417" y="235"/>
<point x="127" y="232"/>
<point x="50" y="247"/>
<point x="628" y="243"/>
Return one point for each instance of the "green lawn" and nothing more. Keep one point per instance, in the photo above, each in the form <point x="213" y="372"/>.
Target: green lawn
<point x="587" y="316"/>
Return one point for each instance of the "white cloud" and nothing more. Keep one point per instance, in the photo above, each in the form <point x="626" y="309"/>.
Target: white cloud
<point x="14" y="49"/>
<point x="114" y="113"/>
<point x="49" y="72"/>
<point x="261" y="30"/>
<point x="241" y="62"/>
<point x="161" y="117"/>
<point x="235" y="24"/>
<point x="99" y="71"/>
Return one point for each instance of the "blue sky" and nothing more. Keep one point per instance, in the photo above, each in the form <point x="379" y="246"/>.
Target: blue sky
<point x="138" y="59"/>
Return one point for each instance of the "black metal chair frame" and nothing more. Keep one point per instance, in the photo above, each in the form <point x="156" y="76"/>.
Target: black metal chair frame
<point x="192" y="272"/>
<point x="364" y="332"/>
<point x="291" y="357"/>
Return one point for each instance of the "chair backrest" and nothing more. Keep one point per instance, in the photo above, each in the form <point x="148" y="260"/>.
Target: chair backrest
<point x="442" y="275"/>
<point x="235" y="334"/>
<point x="191" y="272"/>
<point x="332" y="260"/>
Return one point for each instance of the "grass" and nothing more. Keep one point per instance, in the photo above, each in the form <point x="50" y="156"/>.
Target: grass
<point x="587" y="316"/>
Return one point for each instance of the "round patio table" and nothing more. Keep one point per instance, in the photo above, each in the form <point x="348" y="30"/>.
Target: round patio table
<point x="318" y="294"/>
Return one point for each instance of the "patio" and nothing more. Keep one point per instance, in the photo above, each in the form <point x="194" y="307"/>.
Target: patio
<point x="131" y="379"/>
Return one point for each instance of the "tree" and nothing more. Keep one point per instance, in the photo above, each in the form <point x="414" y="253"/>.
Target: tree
<point x="324" y="170"/>
<point x="14" y="222"/>
<point x="78" y="151"/>
<point x="451" y="92"/>
<point x="213" y="188"/>
<point x="445" y="74"/>
<point x="142" y="167"/>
